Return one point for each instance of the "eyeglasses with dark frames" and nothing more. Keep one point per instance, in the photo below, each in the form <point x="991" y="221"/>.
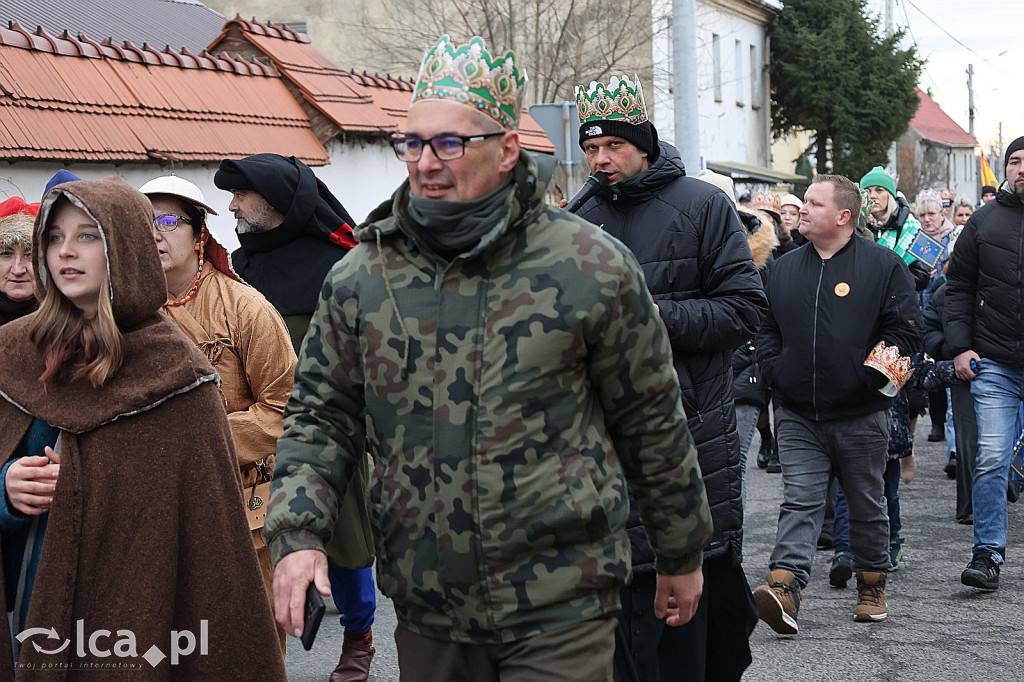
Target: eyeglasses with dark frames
<point x="446" y="147"/>
<point x="168" y="222"/>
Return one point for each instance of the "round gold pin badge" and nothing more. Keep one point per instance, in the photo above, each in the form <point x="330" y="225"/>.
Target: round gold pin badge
<point x="842" y="289"/>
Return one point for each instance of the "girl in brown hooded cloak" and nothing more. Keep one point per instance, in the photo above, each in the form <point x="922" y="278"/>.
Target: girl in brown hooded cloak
<point x="124" y="543"/>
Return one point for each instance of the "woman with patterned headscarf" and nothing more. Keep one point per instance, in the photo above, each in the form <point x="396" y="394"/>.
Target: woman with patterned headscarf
<point x="17" y="295"/>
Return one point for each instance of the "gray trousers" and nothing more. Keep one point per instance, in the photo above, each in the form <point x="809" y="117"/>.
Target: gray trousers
<point x="852" y="449"/>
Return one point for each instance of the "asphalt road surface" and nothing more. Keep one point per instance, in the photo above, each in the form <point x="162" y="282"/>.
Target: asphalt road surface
<point x="937" y="629"/>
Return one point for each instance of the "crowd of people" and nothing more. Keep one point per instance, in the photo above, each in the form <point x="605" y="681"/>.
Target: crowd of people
<point x="534" y="423"/>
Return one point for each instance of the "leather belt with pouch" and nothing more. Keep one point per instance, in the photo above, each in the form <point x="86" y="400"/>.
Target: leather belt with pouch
<point x="256" y="498"/>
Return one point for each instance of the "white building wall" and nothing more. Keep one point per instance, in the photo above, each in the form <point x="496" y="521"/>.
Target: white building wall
<point x="732" y="91"/>
<point x="361" y="175"/>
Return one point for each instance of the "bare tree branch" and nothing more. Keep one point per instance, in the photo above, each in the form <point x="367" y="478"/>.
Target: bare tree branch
<point x="561" y="43"/>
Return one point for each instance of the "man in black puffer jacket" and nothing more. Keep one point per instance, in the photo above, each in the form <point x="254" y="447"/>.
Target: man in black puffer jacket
<point x="984" y="320"/>
<point x="693" y="251"/>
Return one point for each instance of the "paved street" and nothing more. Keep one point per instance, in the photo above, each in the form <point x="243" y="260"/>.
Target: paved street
<point x="937" y="629"/>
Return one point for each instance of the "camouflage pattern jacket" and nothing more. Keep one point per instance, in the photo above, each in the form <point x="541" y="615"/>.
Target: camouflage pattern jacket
<point x="506" y="398"/>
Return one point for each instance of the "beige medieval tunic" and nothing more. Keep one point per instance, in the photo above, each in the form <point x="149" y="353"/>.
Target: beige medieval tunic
<point x="246" y="341"/>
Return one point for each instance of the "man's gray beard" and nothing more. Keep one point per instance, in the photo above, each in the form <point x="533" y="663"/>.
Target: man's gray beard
<point x="245" y="227"/>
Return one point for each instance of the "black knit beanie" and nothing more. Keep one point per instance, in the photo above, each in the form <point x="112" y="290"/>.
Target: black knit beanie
<point x="1014" y="146"/>
<point x="643" y="135"/>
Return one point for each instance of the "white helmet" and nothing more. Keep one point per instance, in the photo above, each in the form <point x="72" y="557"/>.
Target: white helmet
<point x="177" y="187"/>
<point x="791" y="200"/>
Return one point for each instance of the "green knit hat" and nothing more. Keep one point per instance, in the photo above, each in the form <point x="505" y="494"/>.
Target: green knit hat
<point x="877" y="177"/>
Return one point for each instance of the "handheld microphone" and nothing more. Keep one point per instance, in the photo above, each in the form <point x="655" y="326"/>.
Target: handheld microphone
<point x="594" y="183"/>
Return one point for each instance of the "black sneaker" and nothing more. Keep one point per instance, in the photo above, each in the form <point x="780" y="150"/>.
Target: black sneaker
<point x="937" y="434"/>
<point x="767" y="446"/>
<point x="951" y="467"/>
<point x="762" y="456"/>
<point x="982" y="573"/>
<point x="1013" y="490"/>
<point x="842" y="569"/>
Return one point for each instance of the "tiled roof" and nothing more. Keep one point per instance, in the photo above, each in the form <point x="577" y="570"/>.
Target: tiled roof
<point x="321" y="83"/>
<point x="178" y="23"/>
<point x="64" y="98"/>
<point x="352" y="101"/>
<point x="934" y="124"/>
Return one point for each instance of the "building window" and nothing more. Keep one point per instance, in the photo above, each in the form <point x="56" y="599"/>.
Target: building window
<point x="755" y="79"/>
<point x="297" y="26"/>
<point x="716" y="58"/>
<point x="738" y="69"/>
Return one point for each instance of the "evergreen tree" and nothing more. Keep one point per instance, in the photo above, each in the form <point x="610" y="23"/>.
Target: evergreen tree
<point x="833" y="73"/>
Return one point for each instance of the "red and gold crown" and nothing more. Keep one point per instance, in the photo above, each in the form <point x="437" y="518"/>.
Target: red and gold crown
<point x="766" y="201"/>
<point x="887" y="360"/>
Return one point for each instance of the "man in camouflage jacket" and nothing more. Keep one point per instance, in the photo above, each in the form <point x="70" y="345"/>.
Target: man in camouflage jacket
<point x="507" y="390"/>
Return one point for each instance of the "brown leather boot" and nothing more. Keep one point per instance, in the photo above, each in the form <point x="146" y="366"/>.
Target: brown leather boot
<point x="870" y="597"/>
<point x="778" y="602"/>
<point x="356" y="655"/>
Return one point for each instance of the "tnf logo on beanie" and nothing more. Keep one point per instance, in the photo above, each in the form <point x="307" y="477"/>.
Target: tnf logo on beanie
<point x="594" y="131"/>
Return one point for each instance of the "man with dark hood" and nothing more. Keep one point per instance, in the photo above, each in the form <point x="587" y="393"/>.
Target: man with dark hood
<point x="698" y="267"/>
<point x="292" y="230"/>
<point x="984" y="321"/>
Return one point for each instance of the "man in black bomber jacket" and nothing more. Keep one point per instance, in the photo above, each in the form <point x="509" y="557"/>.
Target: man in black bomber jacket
<point x="693" y="250"/>
<point x="829" y="303"/>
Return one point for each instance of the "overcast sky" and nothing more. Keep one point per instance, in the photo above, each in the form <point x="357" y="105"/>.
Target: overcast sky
<point x="991" y="35"/>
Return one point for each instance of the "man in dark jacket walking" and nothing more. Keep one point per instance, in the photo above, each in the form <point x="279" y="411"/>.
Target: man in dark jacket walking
<point x="984" y="319"/>
<point x="830" y="304"/>
<point x="692" y="247"/>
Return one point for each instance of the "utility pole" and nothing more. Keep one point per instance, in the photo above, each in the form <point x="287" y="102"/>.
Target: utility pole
<point x="890" y="28"/>
<point x="684" y="81"/>
<point x="1001" y="169"/>
<point x="970" y="98"/>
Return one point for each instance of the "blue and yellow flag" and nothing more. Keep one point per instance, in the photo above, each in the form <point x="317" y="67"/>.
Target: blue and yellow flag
<point x="926" y="249"/>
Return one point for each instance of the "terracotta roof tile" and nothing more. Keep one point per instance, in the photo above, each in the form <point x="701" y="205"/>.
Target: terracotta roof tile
<point x="935" y="124"/>
<point x="356" y="102"/>
<point x="321" y="82"/>
<point x="76" y="99"/>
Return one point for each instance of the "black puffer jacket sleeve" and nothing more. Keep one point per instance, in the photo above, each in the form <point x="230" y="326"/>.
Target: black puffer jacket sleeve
<point x="934" y="335"/>
<point x="733" y="302"/>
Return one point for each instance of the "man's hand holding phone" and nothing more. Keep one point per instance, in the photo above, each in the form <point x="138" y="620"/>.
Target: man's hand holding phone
<point x="298" y="576"/>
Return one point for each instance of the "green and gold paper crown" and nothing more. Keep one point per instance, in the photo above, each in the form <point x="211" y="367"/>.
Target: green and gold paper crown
<point x="468" y="74"/>
<point x="621" y="100"/>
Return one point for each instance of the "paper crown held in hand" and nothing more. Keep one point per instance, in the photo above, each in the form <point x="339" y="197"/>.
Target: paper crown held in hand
<point x="887" y="360"/>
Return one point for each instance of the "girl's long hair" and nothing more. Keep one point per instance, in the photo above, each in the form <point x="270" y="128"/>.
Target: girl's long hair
<point x="73" y="346"/>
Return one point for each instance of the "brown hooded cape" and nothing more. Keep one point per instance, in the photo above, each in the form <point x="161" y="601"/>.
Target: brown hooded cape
<point x="146" y="533"/>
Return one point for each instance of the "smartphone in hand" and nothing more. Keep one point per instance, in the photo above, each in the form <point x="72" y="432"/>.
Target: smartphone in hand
<point x="314" y="613"/>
